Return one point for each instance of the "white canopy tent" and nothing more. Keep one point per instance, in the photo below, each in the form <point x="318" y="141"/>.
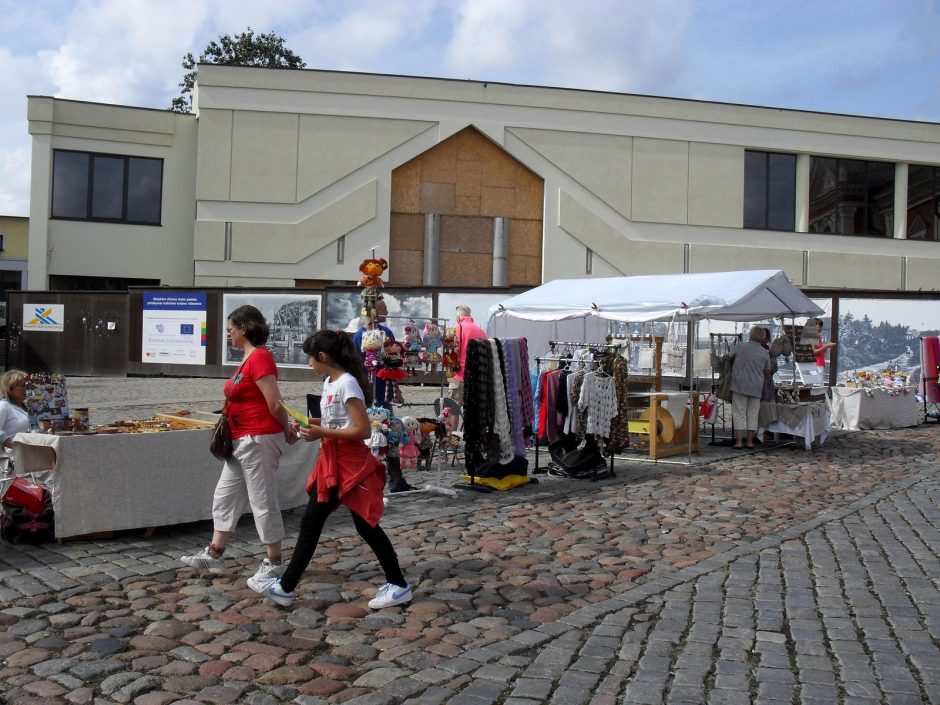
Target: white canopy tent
<point x="579" y="309"/>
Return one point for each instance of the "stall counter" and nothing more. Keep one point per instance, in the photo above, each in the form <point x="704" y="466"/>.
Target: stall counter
<point x="855" y="408"/>
<point x="111" y="482"/>
<point x="808" y="420"/>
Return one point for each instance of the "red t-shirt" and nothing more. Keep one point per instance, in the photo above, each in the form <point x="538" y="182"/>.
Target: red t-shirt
<point x="248" y="413"/>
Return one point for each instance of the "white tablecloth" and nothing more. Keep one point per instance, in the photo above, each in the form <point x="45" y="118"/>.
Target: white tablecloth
<point x="110" y="482"/>
<point x="857" y="408"/>
<point x="808" y="420"/>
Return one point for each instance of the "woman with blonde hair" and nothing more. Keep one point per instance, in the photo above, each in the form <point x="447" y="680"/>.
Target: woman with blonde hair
<point x="13" y="415"/>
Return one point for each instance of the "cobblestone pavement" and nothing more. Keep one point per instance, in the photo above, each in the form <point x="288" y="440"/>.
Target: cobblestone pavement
<point x="772" y="577"/>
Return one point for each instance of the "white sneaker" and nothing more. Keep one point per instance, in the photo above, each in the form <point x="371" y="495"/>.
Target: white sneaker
<point x="267" y="569"/>
<point x="271" y="588"/>
<point x="390" y="595"/>
<point x="205" y="562"/>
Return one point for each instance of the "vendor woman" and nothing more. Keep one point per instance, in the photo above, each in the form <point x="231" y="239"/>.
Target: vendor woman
<point x="13" y="416"/>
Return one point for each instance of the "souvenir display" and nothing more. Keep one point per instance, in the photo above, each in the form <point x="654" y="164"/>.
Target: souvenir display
<point x="47" y="401"/>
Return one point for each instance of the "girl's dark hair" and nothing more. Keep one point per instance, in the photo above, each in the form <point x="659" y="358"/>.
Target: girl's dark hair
<point x="339" y="346"/>
<point x="252" y="324"/>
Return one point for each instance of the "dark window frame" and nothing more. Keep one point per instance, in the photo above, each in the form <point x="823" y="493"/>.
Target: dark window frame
<point x="865" y="205"/>
<point x="90" y="183"/>
<point x="767" y="194"/>
<point x="934" y="190"/>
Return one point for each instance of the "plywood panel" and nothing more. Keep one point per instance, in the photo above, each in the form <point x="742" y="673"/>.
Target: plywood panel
<point x="498" y="169"/>
<point x="406" y="188"/>
<point x="406" y="232"/>
<point x="469" y="178"/>
<point x="406" y="267"/>
<point x="530" y="199"/>
<point x="468" y="205"/>
<point x="438" y="198"/>
<point x="466" y="269"/>
<point x="525" y="237"/>
<point x="440" y="163"/>
<point x="459" y="234"/>
<point x="498" y="202"/>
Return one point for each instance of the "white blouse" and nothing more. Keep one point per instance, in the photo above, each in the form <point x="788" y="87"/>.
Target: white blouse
<point x="13" y="420"/>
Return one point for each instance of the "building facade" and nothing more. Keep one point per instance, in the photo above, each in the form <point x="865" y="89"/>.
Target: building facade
<point x="289" y="178"/>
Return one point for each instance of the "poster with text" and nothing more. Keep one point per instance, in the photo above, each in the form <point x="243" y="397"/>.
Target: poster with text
<point x="174" y="328"/>
<point x="45" y="317"/>
<point x="291" y="318"/>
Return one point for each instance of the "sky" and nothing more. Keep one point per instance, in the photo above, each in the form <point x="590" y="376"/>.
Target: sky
<point x="862" y="57"/>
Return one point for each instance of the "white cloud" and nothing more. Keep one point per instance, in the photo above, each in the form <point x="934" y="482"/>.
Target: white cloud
<point x="595" y="44"/>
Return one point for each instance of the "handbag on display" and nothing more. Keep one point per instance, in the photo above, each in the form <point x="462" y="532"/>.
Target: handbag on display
<point x="26" y="515"/>
<point x="221" y="444"/>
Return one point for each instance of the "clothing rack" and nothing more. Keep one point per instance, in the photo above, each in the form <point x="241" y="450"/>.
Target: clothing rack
<point x="714" y="340"/>
<point x="551" y="357"/>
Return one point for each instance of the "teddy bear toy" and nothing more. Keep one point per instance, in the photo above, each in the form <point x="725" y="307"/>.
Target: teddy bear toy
<point x="412" y="345"/>
<point x="409" y="443"/>
<point x="373" y="342"/>
<point x="372" y="270"/>
<point x="433" y="342"/>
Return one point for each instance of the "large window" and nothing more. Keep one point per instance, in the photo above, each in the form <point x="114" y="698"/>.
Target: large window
<point x="923" y="202"/>
<point x="769" y="190"/>
<point x="851" y="197"/>
<point x="106" y="187"/>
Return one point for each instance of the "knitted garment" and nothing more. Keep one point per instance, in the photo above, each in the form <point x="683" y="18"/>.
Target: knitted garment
<point x="478" y="412"/>
<point x="572" y="425"/>
<point x="528" y="408"/>
<point x="514" y="392"/>
<point x="502" y="428"/>
<point x="599" y="399"/>
<point x="619" y="437"/>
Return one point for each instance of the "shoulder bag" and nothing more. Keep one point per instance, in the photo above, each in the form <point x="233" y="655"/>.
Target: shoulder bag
<point x="221" y="444"/>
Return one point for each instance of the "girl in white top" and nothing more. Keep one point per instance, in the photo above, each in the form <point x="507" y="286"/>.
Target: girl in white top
<point x="13" y="415"/>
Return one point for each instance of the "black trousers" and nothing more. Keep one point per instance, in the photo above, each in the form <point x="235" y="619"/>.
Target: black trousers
<point x="311" y="526"/>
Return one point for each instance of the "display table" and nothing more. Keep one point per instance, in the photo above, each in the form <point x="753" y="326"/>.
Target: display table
<point x="857" y="408"/>
<point x="808" y="420"/>
<point x="110" y="482"/>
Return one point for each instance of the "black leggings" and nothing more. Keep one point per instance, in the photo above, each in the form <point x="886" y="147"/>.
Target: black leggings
<point x="312" y="524"/>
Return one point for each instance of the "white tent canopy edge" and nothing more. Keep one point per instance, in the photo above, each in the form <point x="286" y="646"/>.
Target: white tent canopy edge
<point x="578" y="309"/>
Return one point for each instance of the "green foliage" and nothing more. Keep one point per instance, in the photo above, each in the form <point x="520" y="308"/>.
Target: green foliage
<point x="245" y="49"/>
<point x="863" y="344"/>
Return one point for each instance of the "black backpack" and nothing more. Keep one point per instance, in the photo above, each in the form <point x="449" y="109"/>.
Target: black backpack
<point x="19" y="525"/>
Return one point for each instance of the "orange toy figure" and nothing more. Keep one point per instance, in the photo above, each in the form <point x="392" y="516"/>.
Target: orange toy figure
<point x="372" y="270"/>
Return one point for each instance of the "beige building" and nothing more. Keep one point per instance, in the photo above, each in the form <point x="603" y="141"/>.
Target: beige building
<point x="14" y="236"/>
<point x="289" y="178"/>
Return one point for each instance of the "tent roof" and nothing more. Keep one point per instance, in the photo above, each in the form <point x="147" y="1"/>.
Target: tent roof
<point x="730" y="296"/>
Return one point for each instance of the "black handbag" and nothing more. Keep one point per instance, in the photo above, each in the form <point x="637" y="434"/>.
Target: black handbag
<point x="221" y="444"/>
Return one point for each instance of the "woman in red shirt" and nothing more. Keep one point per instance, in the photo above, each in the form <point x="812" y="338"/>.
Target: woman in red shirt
<point x="260" y="428"/>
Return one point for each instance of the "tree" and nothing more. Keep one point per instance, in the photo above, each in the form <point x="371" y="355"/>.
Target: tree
<point x="245" y="49"/>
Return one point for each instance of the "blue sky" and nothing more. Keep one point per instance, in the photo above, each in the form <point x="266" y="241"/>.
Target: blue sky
<point x="863" y="57"/>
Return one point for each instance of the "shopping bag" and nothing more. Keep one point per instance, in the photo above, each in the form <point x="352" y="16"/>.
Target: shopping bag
<point x="708" y="409"/>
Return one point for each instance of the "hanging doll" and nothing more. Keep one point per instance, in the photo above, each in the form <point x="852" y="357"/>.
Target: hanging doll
<point x="378" y="419"/>
<point x="432" y="341"/>
<point x="373" y="342"/>
<point x="410" y="440"/>
<point x="371" y="282"/>
<point x="412" y="345"/>
<point x="396" y="436"/>
<point x="449" y="361"/>
<point x="393" y="373"/>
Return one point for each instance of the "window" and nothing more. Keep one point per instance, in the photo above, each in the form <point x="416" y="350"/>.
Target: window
<point x="769" y="190"/>
<point x="851" y="197"/>
<point x="923" y="202"/>
<point x="106" y="187"/>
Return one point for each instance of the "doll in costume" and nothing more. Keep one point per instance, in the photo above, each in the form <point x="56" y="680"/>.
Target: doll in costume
<point x="393" y="373"/>
<point x="432" y="342"/>
<point x="409" y="443"/>
<point x="373" y="344"/>
<point x="412" y="345"/>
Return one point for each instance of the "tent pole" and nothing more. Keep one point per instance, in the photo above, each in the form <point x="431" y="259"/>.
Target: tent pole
<point x="690" y="372"/>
